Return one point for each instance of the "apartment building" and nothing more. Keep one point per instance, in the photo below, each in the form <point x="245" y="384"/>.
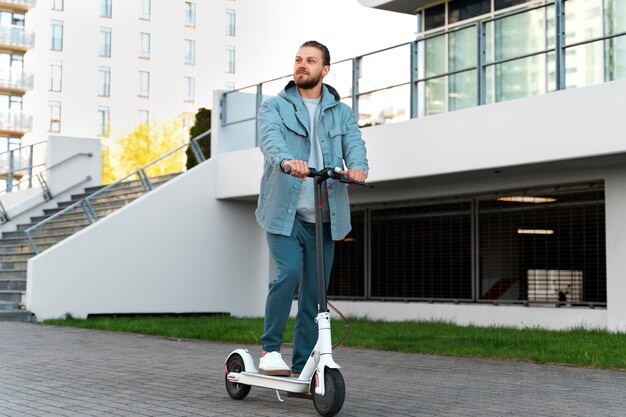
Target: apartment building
<point x="15" y="41"/>
<point x="102" y="67"/>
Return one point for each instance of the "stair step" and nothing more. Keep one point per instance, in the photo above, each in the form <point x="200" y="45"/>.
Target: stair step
<point x="15" y="257"/>
<point x="79" y="209"/>
<point x="66" y="230"/>
<point x="13" y="274"/>
<point x="76" y="215"/>
<point x="8" y="305"/>
<point x="106" y="198"/>
<point x="15" y="314"/>
<point x="12" y="284"/>
<point x="11" y="296"/>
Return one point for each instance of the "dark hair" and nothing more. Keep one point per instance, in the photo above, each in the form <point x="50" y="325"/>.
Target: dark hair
<point x="322" y="48"/>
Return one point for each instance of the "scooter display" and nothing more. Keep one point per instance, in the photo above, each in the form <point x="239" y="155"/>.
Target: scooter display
<point x="321" y="376"/>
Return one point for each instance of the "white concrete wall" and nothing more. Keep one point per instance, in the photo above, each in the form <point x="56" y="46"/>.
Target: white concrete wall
<point x="615" y="195"/>
<point x="477" y="314"/>
<point x="176" y="249"/>
<point x="63" y="180"/>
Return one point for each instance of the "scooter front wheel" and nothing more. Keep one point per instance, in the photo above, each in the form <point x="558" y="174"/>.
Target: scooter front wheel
<point x="236" y="391"/>
<point x="331" y="402"/>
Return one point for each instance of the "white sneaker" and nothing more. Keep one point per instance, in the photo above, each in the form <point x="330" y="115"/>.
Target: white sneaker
<point x="273" y="364"/>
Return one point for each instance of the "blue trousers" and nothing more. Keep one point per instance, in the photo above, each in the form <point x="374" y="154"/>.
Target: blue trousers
<point x="296" y="271"/>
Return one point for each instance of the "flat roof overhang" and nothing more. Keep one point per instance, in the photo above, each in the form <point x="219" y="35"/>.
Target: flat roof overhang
<point x="399" y="6"/>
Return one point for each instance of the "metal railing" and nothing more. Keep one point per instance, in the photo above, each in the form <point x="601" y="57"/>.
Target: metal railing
<point x="22" y="82"/>
<point x="15" y="122"/>
<point x="422" y="77"/>
<point x="86" y="204"/>
<point x="27" y="3"/>
<point x="16" y="36"/>
<point x="12" y="164"/>
<point x="47" y="195"/>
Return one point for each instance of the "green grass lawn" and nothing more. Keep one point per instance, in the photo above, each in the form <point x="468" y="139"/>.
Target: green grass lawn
<point x="576" y="347"/>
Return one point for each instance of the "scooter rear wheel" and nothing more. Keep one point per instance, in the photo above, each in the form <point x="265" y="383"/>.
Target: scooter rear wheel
<point x="236" y="391"/>
<point x="331" y="402"/>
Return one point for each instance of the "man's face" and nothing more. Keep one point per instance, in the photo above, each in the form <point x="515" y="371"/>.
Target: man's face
<point x="309" y="68"/>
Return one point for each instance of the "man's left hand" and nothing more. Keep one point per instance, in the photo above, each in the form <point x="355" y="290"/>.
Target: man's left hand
<point x="356" y="174"/>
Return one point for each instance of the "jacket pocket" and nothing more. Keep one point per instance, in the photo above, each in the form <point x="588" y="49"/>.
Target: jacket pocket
<point x="293" y="125"/>
<point x="336" y="139"/>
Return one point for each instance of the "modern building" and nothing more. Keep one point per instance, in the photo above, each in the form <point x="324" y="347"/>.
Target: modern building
<point x="15" y="41"/>
<point x="102" y="67"/>
<point x="496" y="151"/>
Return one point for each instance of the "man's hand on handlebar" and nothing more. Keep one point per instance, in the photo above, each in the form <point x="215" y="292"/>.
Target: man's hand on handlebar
<point x="296" y="168"/>
<point x="355" y="174"/>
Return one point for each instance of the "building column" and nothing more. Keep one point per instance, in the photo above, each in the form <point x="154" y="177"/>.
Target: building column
<point x="615" y="198"/>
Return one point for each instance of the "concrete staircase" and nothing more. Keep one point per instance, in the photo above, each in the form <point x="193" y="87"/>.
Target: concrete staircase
<point x="15" y="249"/>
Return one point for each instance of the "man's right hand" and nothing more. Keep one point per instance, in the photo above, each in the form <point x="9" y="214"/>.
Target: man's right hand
<point x="299" y="169"/>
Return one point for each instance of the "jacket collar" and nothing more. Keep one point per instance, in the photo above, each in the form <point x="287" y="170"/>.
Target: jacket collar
<point x="330" y="96"/>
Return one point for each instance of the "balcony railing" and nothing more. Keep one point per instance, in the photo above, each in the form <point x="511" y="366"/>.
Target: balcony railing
<point x="527" y="52"/>
<point x="15" y="122"/>
<point x="21" y="83"/>
<point x="16" y="36"/>
<point x="21" y="4"/>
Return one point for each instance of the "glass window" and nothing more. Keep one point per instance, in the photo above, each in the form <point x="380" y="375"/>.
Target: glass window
<point x="17" y="19"/>
<point x="190" y="14"/>
<point x="435" y="17"/>
<point x="503" y="4"/>
<point x="12" y="69"/>
<point x="56" y="72"/>
<point x="106" y="8"/>
<point x="463" y="10"/>
<point x="230" y="59"/>
<point x="229" y="85"/>
<point x="144" y="117"/>
<point x="230" y="22"/>
<point x="55" y="116"/>
<point x="144" y="45"/>
<point x="57" y="35"/>
<point x="104" y="81"/>
<point x="144" y="84"/>
<point x="144" y="9"/>
<point x="57" y="4"/>
<point x="190" y="51"/>
<point x="104" y="121"/>
<point x="105" y="42"/>
<point x="189" y="88"/>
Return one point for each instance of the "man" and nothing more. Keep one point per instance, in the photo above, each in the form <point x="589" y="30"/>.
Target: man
<point x="305" y="126"/>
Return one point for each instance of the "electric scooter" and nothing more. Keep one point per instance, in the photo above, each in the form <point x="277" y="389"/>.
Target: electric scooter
<point x="321" y="376"/>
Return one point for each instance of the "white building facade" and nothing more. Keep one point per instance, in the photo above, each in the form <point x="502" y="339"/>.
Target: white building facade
<point x="102" y="67"/>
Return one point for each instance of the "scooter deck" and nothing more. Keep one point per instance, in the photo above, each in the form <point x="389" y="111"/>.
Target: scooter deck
<point x="283" y="383"/>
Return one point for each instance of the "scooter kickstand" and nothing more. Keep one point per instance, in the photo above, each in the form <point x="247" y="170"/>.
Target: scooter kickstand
<point x="278" y="396"/>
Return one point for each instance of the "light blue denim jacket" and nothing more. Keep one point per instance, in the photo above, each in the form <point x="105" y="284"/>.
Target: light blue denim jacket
<point x="284" y="134"/>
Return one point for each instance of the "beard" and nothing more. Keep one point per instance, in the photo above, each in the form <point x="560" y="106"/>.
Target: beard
<point x="307" y="84"/>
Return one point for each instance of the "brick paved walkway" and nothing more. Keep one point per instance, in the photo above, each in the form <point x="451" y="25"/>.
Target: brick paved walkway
<point x="52" y="371"/>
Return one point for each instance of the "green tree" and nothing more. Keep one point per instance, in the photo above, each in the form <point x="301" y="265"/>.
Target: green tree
<point x="123" y="155"/>
<point x="201" y="125"/>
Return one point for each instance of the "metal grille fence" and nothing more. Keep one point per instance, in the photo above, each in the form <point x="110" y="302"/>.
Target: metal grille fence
<point x="546" y="246"/>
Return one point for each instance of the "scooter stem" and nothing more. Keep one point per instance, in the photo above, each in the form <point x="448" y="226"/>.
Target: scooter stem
<point x="322" y="306"/>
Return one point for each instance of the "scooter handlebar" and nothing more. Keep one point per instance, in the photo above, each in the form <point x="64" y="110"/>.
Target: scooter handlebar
<point x="334" y="173"/>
